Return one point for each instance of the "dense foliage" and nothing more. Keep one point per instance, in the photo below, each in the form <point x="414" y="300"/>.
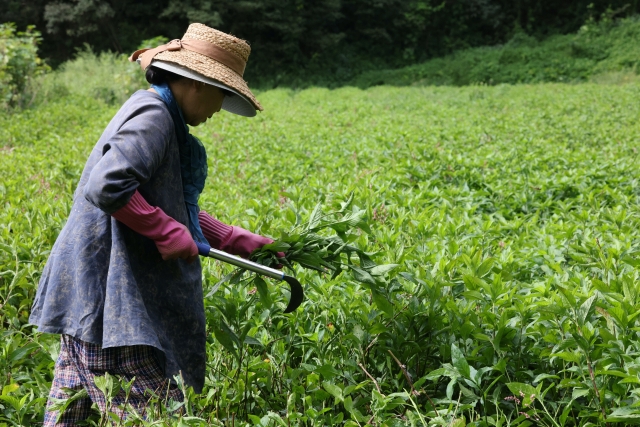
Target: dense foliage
<point x="606" y="52"/>
<point x="19" y="65"/>
<point x="596" y="50"/>
<point x="331" y="40"/>
<point x="510" y="212"/>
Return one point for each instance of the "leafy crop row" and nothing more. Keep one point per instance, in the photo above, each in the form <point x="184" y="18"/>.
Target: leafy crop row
<point x="510" y="212"/>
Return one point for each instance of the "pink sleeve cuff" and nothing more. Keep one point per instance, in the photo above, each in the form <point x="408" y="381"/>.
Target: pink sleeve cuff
<point x="214" y="231"/>
<point x="138" y="215"/>
<point x="172" y="238"/>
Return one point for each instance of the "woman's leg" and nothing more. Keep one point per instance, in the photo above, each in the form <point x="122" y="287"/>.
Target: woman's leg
<point x="140" y="362"/>
<point x="88" y="361"/>
<point x="66" y="375"/>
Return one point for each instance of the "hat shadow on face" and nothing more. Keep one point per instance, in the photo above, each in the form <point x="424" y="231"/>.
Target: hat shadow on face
<point x="236" y="104"/>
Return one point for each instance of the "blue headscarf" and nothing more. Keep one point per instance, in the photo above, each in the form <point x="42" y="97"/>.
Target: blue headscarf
<point x="193" y="161"/>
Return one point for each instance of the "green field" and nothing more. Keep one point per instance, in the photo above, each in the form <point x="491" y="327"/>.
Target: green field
<point x="512" y="213"/>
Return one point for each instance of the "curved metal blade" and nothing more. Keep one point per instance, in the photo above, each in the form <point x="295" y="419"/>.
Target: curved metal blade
<point x="297" y="294"/>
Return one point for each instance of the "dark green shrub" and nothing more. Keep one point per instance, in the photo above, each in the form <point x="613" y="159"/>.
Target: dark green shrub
<point x="596" y="48"/>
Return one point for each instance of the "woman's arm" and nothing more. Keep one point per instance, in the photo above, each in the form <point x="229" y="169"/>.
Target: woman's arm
<point x="228" y="238"/>
<point x="172" y="239"/>
<point x="130" y="157"/>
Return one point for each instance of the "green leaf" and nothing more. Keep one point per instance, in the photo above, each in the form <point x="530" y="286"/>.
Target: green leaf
<point x="541" y="377"/>
<point x="251" y="341"/>
<point x="524" y="392"/>
<point x="225" y="279"/>
<point x="108" y="385"/>
<point x="11" y="400"/>
<point x="382" y="303"/>
<point x="381" y="270"/>
<point x="309" y="260"/>
<point x="579" y="392"/>
<point x="634" y="262"/>
<point x="568" y="295"/>
<point x="378" y="328"/>
<point x="314" y="219"/>
<point x="569" y="357"/>
<point x="263" y="291"/>
<point x="474" y="283"/>
<point x="333" y="390"/>
<point x="565" y="413"/>
<point x="474" y="295"/>
<point x="276" y="246"/>
<point x="625" y="414"/>
<point x="458" y="360"/>
<point x="19" y="354"/>
<point x="355" y="413"/>
<point x="227" y="338"/>
<point x="61" y="405"/>
<point x="450" y="387"/>
<point x="581" y="342"/>
<point x="10" y="388"/>
<point x="347" y="203"/>
<point x="485" y="267"/>
<point x="434" y="375"/>
<point x="362" y="276"/>
<point x="327" y="371"/>
<point x="255" y="419"/>
<point x="585" y="309"/>
<point x="348" y="221"/>
<point x="365" y="261"/>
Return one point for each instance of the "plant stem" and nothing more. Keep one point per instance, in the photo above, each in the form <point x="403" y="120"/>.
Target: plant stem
<point x="595" y="388"/>
<point x="370" y="377"/>
<point x="406" y="375"/>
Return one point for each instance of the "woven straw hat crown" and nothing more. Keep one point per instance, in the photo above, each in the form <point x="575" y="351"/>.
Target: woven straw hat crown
<point x="209" y="53"/>
<point x="226" y="41"/>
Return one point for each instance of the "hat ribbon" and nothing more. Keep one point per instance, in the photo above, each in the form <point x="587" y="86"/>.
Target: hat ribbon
<point x="204" y="48"/>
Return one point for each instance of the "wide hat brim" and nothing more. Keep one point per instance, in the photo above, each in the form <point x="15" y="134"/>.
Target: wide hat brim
<point x="207" y="55"/>
<point x="238" y="104"/>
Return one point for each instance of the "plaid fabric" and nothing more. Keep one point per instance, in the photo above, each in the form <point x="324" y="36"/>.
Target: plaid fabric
<point x="80" y="362"/>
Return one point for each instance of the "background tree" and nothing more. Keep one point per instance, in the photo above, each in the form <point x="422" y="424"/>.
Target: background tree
<point x="297" y="38"/>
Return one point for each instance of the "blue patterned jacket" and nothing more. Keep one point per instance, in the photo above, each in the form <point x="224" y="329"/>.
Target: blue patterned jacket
<point x="104" y="283"/>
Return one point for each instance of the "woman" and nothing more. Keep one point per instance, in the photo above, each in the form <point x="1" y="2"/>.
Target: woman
<point x="123" y="282"/>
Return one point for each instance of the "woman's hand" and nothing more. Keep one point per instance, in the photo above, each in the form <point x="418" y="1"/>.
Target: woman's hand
<point x="176" y="242"/>
<point x="232" y="239"/>
<point x="242" y="242"/>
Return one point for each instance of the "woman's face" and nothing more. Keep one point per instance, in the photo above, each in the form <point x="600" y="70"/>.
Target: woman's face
<point x="199" y="101"/>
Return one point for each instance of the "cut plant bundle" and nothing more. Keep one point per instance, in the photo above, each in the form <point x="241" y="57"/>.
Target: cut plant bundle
<point x="325" y="243"/>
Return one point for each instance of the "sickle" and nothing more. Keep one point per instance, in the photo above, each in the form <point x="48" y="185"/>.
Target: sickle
<point x="297" y="294"/>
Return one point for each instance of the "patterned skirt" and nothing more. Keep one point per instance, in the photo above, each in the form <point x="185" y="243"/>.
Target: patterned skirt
<point x="80" y="362"/>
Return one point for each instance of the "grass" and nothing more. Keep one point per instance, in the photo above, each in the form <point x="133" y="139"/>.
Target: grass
<point x="511" y="212"/>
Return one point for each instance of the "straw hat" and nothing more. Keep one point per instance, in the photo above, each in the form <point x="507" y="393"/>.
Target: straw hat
<point x="209" y="56"/>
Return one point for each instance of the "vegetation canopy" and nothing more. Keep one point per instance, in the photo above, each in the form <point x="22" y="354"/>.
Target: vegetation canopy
<point x="470" y="255"/>
<point x="298" y="42"/>
<point x="502" y="225"/>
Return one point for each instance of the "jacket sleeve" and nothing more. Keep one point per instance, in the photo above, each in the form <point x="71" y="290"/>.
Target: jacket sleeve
<point x="130" y="157"/>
